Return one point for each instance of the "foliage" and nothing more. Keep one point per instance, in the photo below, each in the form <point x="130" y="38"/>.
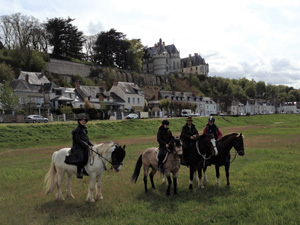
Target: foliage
<point x="78" y="110"/>
<point x="134" y="55"/>
<point x="111" y="49"/>
<point x="36" y="62"/>
<point x="6" y="73"/>
<point x="66" y="40"/>
<point x="7" y="97"/>
<point x="66" y="110"/>
<point x="87" y="105"/>
<point x="83" y="81"/>
<point x="20" y="112"/>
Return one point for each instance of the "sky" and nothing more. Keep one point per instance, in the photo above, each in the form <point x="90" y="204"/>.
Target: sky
<point x="255" y="39"/>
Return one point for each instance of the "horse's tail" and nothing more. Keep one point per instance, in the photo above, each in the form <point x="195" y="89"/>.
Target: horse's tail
<point x="137" y="169"/>
<point x="50" y="179"/>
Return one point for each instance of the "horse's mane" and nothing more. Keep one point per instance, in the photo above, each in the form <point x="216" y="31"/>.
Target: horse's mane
<point x="104" y="147"/>
<point x="225" y="137"/>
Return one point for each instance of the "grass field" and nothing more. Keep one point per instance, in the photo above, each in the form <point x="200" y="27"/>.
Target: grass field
<point x="264" y="183"/>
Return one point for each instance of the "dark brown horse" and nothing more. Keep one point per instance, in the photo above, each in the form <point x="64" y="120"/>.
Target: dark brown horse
<point x="223" y="158"/>
<point x="149" y="159"/>
<point x="203" y="149"/>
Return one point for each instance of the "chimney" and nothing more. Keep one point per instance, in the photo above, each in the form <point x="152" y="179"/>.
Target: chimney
<point x="156" y="94"/>
<point x="115" y="83"/>
<point x="77" y="84"/>
<point x="27" y="78"/>
<point x="42" y="73"/>
<point x="194" y="93"/>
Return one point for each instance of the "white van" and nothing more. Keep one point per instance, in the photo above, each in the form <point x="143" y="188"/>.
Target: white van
<point x="186" y="112"/>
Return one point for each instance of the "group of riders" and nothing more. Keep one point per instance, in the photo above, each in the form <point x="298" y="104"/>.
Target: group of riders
<point x="81" y="144"/>
<point x="188" y="137"/>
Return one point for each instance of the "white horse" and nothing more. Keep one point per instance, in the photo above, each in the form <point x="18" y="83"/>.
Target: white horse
<point x="102" y="153"/>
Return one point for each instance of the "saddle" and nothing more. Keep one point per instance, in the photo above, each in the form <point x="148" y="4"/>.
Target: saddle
<point x="165" y="158"/>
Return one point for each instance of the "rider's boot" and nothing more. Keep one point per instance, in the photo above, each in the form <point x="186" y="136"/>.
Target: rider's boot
<point x="84" y="172"/>
<point x="160" y="165"/>
<point x="79" y="172"/>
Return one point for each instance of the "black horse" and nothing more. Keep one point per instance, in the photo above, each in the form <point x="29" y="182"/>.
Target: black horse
<point x="223" y="158"/>
<point x="204" y="148"/>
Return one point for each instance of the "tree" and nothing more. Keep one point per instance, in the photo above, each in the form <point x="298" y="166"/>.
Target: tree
<point x="111" y="49"/>
<point x="89" y="46"/>
<point x="7" y="97"/>
<point x="6" y="73"/>
<point x="18" y="30"/>
<point x="65" y="38"/>
<point x="135" y="54"/>
<point x="165" y="104"/>
<point x="36" y="62"/>
<point x="260" y="88"/>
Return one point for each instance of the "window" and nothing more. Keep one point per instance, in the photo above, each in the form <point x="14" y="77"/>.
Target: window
<point x="133" y="100"/>
<point x="21" y="100"/>
<point x="138" y="100"/>
<point x="128" y="100"/>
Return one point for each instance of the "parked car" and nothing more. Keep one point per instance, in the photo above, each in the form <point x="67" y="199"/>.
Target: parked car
<point x="132" y="116"/>
<point x="35" y="119"/>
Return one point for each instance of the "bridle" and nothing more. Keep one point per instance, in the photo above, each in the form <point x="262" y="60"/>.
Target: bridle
<point x="198" y="150"/>
<point x="102" y="158"/>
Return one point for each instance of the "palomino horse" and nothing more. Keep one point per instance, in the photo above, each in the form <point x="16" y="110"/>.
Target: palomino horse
<point x="223" y="158"/>
<point x="203" y="149"/>
<point x="149" y="159"/>
<point x="101" y="154"/>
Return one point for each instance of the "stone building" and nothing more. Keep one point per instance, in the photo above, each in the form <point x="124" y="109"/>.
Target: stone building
<point x="162" y="59"/>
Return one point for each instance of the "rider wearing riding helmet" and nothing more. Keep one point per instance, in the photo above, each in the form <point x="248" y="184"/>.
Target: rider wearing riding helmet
<point x="165" y="140"/>
<point x="211" y="128"/>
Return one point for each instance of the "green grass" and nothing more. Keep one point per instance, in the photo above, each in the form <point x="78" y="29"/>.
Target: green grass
<point x="15" y="136"/>
<point x="264" y="183"/>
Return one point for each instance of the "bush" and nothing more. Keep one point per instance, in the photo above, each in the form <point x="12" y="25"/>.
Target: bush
<point x="20" y="112"/>
<point x="78" y="110"/>
<point x="93" y="114"/>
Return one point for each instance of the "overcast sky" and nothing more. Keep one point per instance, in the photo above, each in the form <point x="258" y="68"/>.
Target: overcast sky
<point x="256" y="39"/>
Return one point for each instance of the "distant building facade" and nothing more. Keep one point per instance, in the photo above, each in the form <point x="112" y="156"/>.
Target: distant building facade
<point x="195" y="65"/>
<point x="162" y="59"/>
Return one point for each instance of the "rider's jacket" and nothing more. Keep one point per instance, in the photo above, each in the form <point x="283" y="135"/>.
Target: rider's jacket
<point x="213" y="130"/>
<point x="164" y="136"/>
<point x="187" y="132"/>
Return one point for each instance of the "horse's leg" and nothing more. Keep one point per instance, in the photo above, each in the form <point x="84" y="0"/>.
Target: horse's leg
<point x="217" y="168"/>
<point x="69" y="192"/>
<point x="145" y="177"/>
<point x="204" y="173"/>
<point x="60" y="175"/>
<point x="169" y="184"/>
<point x="227" y="173"/>
<point x="90" y="197"/>
<point x="175" y="182"/>
<point x="191" y="177"/>
<point x="153" y="172"/>
<point x="200" y="184"/>
<point x="98" y="193"/>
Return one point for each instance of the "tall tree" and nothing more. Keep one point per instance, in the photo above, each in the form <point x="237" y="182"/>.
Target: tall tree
<point x="18" y="30"/>
<point x="65" y="38"/>
<point x="7" y="97"/>
<point x="135" y="54"/>
<point x="111" y="49"/>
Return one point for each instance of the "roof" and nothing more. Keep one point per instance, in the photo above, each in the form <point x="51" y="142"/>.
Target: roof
<point x="129" y="88"/>
<point x="33" y="77"/>
<point x="116" y="98"/>
<point x="160" y="48"/>
<point x="195" y="60"/>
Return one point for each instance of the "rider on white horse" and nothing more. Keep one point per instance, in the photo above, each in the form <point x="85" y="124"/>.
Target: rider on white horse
<point x="80" y="147"/>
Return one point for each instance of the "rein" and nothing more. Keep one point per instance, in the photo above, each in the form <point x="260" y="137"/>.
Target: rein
<point x="92" y="159"/>
<point x="203" y="156"/>
<point x="234" y="157"/>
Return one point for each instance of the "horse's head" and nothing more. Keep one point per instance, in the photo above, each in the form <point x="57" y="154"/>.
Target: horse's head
<point x="117" y="157"/>
<point x="177" y="146"/>
<point x="211" y="144"/>
<point x="239" y="144"/>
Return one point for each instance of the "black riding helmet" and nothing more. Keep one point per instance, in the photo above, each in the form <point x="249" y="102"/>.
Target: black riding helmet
<point x="165" y="122"/>
<point x="82" y="118"/>
<point x="211" y="119"/>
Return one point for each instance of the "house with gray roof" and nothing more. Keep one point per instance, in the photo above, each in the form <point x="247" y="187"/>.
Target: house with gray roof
<point x="131" y="94"/>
